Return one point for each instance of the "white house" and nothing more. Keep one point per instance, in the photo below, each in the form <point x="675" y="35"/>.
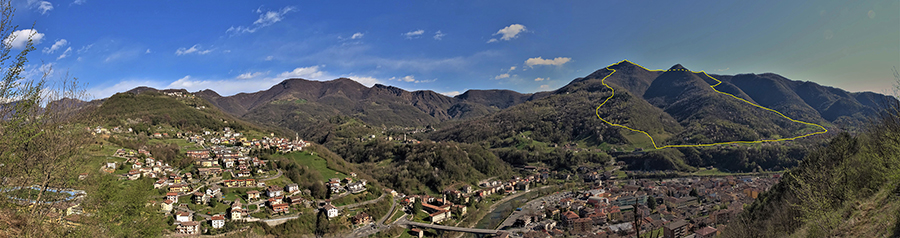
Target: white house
<point x="331" y="210"/>
<point x="168" y="205"/>
<point x="274" y="191"/>
<point x="218" y="221"/>
<point x="183" y="217"/>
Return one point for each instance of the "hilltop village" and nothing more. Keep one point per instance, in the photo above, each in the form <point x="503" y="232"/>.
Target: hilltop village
<point x="226" y="185"/>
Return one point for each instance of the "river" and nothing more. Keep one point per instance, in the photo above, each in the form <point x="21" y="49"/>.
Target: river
<point x="495" y="217"/>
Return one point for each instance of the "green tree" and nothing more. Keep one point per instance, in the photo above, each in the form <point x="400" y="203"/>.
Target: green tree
<point x="121" y="208"/>
<point x="321" y="223"/>
<point x="417" y="208"/>
<point x="651" y="203"/>
<point x="39" y="144"/>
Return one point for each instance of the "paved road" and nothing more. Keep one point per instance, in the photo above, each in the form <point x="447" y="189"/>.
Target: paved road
<point x="447" y="228"/>
<point x="531" y="205"/>
<point x="390" y="212"/>
<point x="276" y="221"/>
<point x="273" y="177"/>
<point x="373" y="228"/>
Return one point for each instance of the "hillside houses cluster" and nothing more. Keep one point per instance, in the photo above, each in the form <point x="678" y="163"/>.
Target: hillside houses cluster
<point x="699" y="205"/>
<point x="223" y="153"/>
<point x="452" y="200"/>
<point x="438" y="209"/>
<point x="227" y="137"/>
<point x="337" y="185"/>
<point x="138" y="167"/>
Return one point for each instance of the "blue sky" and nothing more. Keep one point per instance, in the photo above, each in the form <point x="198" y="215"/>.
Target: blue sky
<point x="452" y="46"/>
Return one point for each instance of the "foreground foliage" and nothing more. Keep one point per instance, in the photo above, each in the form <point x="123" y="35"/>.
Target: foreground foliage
<point x="849" y="188"/>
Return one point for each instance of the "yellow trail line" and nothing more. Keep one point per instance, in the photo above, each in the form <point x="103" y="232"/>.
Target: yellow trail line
<point x="714" y="88"/>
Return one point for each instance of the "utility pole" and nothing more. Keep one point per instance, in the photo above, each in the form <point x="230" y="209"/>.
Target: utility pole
<point x="638" y="217"/>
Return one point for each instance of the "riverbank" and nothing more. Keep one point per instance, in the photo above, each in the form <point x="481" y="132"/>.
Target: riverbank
<point x="477" y="218"/>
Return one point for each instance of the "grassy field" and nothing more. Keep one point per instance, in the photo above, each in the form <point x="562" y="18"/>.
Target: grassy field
<point x="397" y="214"/>
<point x="97" y="155"/>
<point x="656" y="233"/>
<point x="710" y="172"/>
<point x="638" y="140"/>
<point x="314" y="162"/>
<point x="182" y="143"/>
<point x="280" y="181"/>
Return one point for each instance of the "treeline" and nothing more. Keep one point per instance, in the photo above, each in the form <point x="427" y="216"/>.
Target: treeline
<point x="168" y="153"/>
<point x="823" y="196"/>
<point x="153" y="108"/>
<point x="432" y="166"/>
<point x="556" y="158"/>
<point x="556" y="119"/>
<point x="726" y="158"/>
<point x="303" y="176"/>
<point x="427" y="166"/>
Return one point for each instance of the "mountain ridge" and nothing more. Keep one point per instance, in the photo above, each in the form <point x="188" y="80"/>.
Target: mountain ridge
<point x="677" y="91"/>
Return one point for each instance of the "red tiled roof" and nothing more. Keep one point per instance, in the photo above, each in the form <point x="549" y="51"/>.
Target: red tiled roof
<point x="705" y="231"/>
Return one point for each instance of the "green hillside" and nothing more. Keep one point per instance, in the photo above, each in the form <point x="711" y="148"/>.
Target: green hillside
<point x="851" y="188"/>
<point x="141" y="110"/>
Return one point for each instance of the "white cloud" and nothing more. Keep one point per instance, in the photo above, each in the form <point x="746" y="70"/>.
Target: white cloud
<point x="508" y="33"/>
<point x="148" y="51"/>
<point x="224" y="86"/>
<point x="250" y="81"/>
<point x="357" y="35"/>
<point x="41" y="6"/>
<point x="251" y="75"/>
<point x="439" y="35"/>
<point x="85" y="48"/>
<point x="539" y="79"/>
<point x="364" y="80"/>
<point x="541" y="61"/>
<point x="271" y="17"/>
<point x="413" y="34"/>
<point x="59" y="44"/>
<point x="246" y="82"/>
<point x="269" y="58"/>
<point x="64" y="53"/>
<point x="34" y="71"/>
<point x="311" y="72"/>
<point x="502" y="76"/>
<point x="512" y="68"/>
<point x="123" y="55"/>
<point x="104" y="91"/>
<point x="411" y="79"/>
<point x="451" y="93"/>
<point x="79" y="2"/>
<point x="544" y="87"/>
<point x="18" y="39"/>
<point x="265" y="19"/>
<point x="195" y="49"/>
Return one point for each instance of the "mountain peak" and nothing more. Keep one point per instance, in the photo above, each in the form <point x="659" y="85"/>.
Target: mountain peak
<point x="141" y="89"/>
<point x="678" y="67"/>
<point x="625" y="63"/>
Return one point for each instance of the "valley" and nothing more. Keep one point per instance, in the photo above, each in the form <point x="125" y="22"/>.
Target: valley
<point x="669" y="151"/>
